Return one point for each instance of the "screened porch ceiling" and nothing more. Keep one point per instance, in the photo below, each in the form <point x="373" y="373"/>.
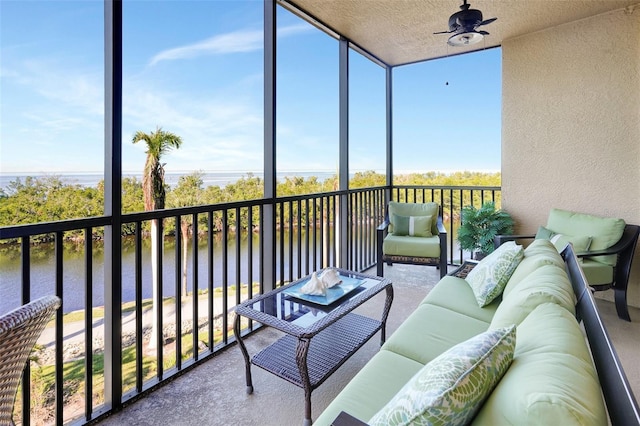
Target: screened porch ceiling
<point x="401" y="31"/>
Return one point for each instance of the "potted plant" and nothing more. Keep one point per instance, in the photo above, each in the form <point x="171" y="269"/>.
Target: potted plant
<point x="480" y="226"/>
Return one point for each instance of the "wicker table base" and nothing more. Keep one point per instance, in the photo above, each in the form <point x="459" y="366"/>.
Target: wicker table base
<point x="308" y="354"/>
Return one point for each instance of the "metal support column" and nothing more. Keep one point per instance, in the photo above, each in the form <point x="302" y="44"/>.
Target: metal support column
<point x="389" y="89"/>
<point x="113" y="205"/>
<point x="342" y="222"/>
<point x="269" y="216"/>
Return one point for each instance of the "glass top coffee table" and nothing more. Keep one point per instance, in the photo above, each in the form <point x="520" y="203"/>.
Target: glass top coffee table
<point x="320" y="333"/>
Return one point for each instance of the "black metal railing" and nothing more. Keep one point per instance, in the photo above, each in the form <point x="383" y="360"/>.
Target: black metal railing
<point x="221" y="254"/>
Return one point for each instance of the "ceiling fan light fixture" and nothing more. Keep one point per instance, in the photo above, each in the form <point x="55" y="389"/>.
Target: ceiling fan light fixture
<point x="465" y="38"/>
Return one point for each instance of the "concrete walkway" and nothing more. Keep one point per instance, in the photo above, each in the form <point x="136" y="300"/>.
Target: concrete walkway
<point x="74" y="332"/>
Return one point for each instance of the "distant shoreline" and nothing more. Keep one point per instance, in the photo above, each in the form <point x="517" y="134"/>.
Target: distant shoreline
<point x="210" y="178"/>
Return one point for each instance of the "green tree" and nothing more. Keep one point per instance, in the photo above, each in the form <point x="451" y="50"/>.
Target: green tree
<point x="158" y="143"/>
<point x="48" y="199"/>
<point x="367" y="179"/>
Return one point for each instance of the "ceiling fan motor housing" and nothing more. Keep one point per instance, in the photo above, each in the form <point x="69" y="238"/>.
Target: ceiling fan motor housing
<point x="465" y="19"/>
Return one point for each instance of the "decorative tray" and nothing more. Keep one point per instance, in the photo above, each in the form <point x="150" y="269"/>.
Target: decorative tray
<point x="334" y="293"/>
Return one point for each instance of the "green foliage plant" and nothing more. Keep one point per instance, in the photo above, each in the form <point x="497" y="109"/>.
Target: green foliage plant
<point x="480" y="226"/>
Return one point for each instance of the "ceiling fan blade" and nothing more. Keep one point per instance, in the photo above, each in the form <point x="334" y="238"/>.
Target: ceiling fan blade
<point x="483" y="32"/>
<point x="444" y="32"/>
<point x="487" y="21"/>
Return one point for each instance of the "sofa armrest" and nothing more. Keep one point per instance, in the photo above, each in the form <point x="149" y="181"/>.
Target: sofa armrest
<point x="345" y="419"/>
<point x="498" y="240"/>
<point x="621" y="404"/>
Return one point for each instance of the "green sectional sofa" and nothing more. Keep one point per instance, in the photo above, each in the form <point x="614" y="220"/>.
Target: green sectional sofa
<point x="556" y="376"/>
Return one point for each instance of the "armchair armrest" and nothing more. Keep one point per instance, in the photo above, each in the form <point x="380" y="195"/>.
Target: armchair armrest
<point x="381" y="233"/>
<point x="626" y="240"/>
<point x="384" y="226"/>
<point x="498" y="240"/>
<point x="441" y="229"/>
<point x="345" y="419"/>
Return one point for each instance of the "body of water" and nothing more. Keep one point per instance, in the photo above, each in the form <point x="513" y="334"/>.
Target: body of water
<point x="74" y="276"/>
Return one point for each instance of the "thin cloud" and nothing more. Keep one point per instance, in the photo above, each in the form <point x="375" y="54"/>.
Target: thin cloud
<point x="234" y="42"/>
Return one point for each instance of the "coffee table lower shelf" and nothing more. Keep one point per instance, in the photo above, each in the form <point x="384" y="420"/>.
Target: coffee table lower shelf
<point x="327" y="350"/>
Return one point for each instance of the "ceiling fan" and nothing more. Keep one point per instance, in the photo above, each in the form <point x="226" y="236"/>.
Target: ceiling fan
<point x="464" y="26"/>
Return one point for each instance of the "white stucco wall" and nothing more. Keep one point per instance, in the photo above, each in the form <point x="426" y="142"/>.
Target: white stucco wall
<point x="571" y="123"/>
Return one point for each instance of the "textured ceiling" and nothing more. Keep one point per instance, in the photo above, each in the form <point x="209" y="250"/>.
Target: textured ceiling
<point x="401" y="31"/>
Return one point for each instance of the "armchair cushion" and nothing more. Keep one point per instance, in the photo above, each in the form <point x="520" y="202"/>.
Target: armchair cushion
<point x="597" y="273"/>
<point x="396" y="245"/>
<point x="414" y="226"/>
<point x="581" y="243"/>
<point x="604" y="232"/>
<point x="414" y="209"/>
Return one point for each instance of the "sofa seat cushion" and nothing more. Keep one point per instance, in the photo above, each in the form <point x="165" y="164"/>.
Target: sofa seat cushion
<point x="490" y="276"/>
<point x="404" y="245"/>
<point x="597" y="273"/>
<point x="415" y="209"/>
<point x="604" y="231"/>
<point x="373" y="387"/>
<point x="430" y="330"/>
<point x="451" y="388"/>
<point x="547" y="284"/>
<point x="552" y="380"/>
<point x="455" y="294"/>
<point x="539" y="253"/>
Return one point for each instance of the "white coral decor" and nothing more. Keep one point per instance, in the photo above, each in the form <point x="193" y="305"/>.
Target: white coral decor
<point x="315" y="287"/>
<point x="330" y="278"/>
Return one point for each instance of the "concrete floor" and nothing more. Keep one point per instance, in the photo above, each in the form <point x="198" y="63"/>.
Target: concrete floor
<point x="214" y="393"/>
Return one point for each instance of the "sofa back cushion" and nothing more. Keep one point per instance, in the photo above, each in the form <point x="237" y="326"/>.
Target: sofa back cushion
<point x="414" y="209"/>
<point x="539" y="253"/>
<point x="547" y="284"/>
<point x="552" y="380"/>
<point x="604" y="231"/>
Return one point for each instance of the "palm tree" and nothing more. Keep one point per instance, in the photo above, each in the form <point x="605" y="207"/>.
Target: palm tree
<point x="158" y="143"/>
<point x="188" y="192"/>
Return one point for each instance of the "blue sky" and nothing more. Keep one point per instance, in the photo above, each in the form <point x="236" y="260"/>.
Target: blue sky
<point x="195" y="69"/>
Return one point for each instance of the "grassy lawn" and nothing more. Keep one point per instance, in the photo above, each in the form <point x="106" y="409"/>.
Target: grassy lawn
<point x="43" y="378"/>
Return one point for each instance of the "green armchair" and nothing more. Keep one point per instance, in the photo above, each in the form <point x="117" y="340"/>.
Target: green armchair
<point x="605" y="247"/>
<point x="412" y="233"/>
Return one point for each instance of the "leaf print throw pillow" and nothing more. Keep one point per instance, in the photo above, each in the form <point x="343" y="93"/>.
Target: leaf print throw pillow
<point x="491" y="274"/>
<point x="451" y="388"/>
